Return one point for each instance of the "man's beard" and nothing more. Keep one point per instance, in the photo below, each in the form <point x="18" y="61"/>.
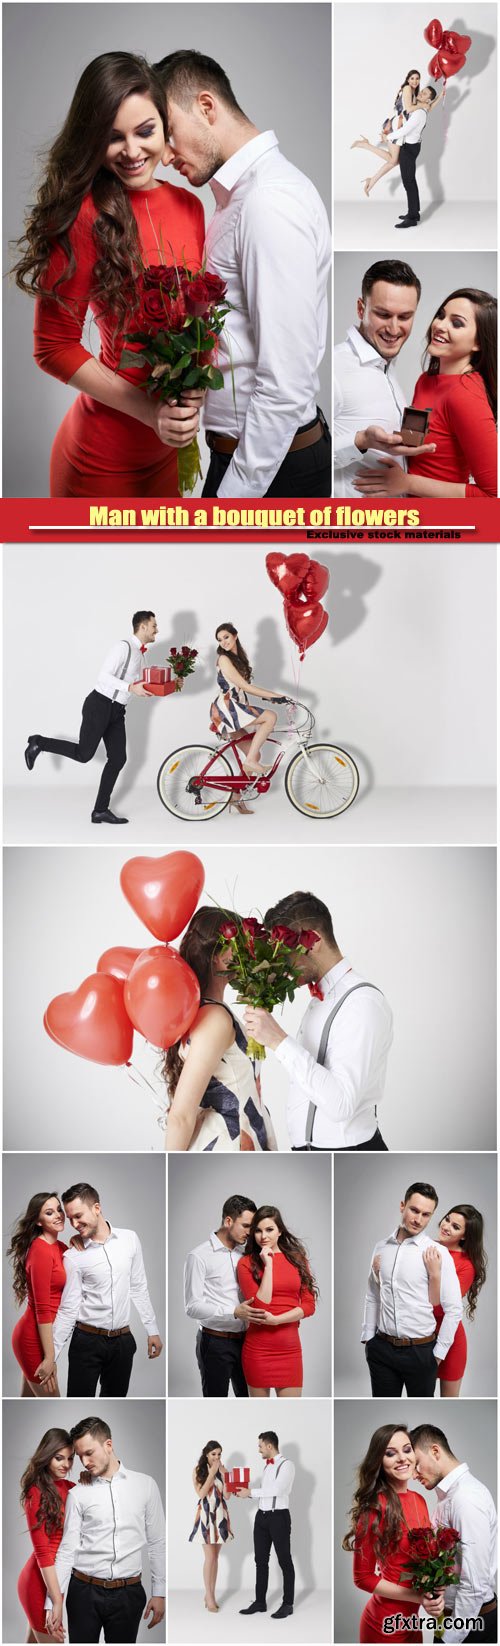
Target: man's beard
<point x="208" y="166"/>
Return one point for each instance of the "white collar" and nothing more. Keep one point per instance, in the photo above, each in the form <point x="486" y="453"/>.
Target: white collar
<point x="422" y="1235"/>
<point x="367" y="355"/>
<point x="449" y="1480"/>
<point x="277" y="1459"/>
<point x="219" y="1245"/>
<point x="120" y="1471"/>
<point x="331" y="978"/>
<point x="137" y="643"/>
<point x="225" y="179"/>
<point x="113" y="1235"/>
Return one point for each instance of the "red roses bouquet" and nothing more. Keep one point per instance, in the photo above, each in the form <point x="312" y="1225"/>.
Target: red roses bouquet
<point x="262" y="969"/>
<point x="182" y="663"/>
<point x="181" y="316"/>
<point x="432" y="1561"/>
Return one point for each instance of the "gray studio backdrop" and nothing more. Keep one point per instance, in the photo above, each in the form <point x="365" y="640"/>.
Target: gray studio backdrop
<point x="139" y="1441"/>
<point x="397" y="613"/>
<point x="197" y="1189"/>
<point x="419" y="922"/>
<point x="439" y="272"/>
<point x="372" y="57"/>
<point x="304" y="1434"/>
<point x="46" y="48"/>
<point x="368" y="1191"/>
<point x="132" y="1191"/>
<point x="470" y="1428"/>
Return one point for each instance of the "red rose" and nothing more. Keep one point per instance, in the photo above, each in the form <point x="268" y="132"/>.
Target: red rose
<point x="161" y="274"/>
<point x="185" y="651"/>
<point x="216" y="287"/>
<point x="153" y="307"/>
<point x="229" y="930"/>
<point x="284" y="934"/>
<point x="308" y="939"/>
<point x="173" y="651"/>
<point x="193" y="653"/>
<point x="197" y="296"/>
<point x="447" y="1537"/>
<point x="163" y="311"/>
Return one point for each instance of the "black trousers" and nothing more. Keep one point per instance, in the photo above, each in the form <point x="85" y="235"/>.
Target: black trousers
<point x="306" y="473"/>
<point x="97" y="1359"/>
<point x="407" y="165"/>
<point x="272" y="1530"/>
<point x="392" y="1369"/>
<point x="219" y="1360"/>
<point x="103" y="721"/>
<point x="489" y="1631"/>
<point x="374" y="1145"/>
<point x="117" y="1611"/>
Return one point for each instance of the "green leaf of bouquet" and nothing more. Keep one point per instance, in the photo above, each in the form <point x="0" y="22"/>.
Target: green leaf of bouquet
<point x="130" y="358"/>
<point x="215" y="377"/>
<point x="192" y="379"/>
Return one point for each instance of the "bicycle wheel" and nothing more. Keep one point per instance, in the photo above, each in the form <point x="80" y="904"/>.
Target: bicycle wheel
<point x="175" y="776"/>
<point x="323" y="782"/>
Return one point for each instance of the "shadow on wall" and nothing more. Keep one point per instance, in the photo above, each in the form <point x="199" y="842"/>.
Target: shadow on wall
<point x="439" y="129"/>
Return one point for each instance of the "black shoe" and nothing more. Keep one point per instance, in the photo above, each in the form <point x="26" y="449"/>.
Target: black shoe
<point x="405" y="214"/>
<point x="31" y="751"/>
<point x="107" y="817"/>
<point x="407" y="223"/>
<point x="283" y="1611"/>
<point x="246" y="1611"/>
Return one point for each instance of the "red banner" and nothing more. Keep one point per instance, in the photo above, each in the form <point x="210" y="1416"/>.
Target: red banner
<point x="251" y="520"/>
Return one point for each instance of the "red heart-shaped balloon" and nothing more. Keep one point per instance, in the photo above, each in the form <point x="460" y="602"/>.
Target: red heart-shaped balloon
<point x="162" y="995"/>
<point x="314" y="585"/>
<point x="286" y="571"/>
<point x="117" y="962"/>
<point x="163" y="891"/>
<point x="92" y="1021"/>
<point x="455" y="44"/>
<point x="433" y="34"/>
<point x="305" y="624"/>
<point x="449" y="63"/>
<point x="435" y="69"/>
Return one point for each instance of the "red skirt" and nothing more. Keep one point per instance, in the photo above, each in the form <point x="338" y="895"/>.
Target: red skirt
<point x="454" y="1363"/>
<point x="272" y="1357"/>
<point x="98" y="452"/>
<point x="371" y="1626"/>
<point x="32" y="1595"/>
<point x="27" y="1344"/>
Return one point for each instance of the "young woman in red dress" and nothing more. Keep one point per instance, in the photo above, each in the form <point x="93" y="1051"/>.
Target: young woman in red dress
<point x="101" y="217"/>
<point x="274" y="1276"/>
<point x="461" y="1231"/>
<point x="459" y="388"/>
<point x="44" y="1490"/>
<point x="384" y="1510"/>
<point x="39" y="1278"/>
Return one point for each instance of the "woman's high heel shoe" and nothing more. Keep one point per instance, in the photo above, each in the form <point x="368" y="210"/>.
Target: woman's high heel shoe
<point x="239" y="806"/>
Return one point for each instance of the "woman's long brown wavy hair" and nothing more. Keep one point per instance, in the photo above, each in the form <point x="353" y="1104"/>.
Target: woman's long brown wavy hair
<point x="37" y="1473"/>
<point x="472" y="1245"/>
<point x="202" y="1468"/>
<point x="198" y="948"/>
<point x="288" y="1243"/>
<point x="372" y="1486"/>
<point x="25" y="1232"/>
<point x="484" y="358"/>
<point x="74" y="168"/>
<point x="239" y="655"/>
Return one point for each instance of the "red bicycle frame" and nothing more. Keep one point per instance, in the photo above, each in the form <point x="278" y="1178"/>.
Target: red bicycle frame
<point x="236" y="781"/>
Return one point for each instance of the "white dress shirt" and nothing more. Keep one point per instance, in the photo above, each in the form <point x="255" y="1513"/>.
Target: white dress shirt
<point x="119" y="670"/>
<point x="211" y="1290"/>
<point x="366" y="393"/>
<point x="349" y="1087"/>
<point x="411" y="133"/>
<point x="398" y="1302"/>
<point x="101" y="1283"/>
<point x="106" y="1527"/>
<point x="269" y="239"/>
<point x="463" y="1502"/>
<point x="276" y="1484"/>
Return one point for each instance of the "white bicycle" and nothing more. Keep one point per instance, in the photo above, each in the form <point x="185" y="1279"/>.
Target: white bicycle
<point x="196" y="783"/>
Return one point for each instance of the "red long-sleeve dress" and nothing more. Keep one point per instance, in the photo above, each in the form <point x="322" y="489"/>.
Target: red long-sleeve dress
<point x="463" y="426"/>
<point x="453" y="1366"/>
<point x="368" y="1571"/>
<point x="99" y="452"/>
<point x="46" y="1279"/>
<point x="272" y="1355"/>
<point x="30" y="1585"/>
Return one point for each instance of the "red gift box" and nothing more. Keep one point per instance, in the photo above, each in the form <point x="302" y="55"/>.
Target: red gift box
<point x="157" y="677"/>
<point x="236" y="1478"/>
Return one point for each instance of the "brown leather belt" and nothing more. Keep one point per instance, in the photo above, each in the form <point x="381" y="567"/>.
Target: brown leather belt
<point x="226" y="445"/>
<point x="210" y="1332"/>
<point x="106" y="1582"/>
<point x="99" y="1331"/>
<point x="406" y="1342"/>
<point x="489" y="1606"/>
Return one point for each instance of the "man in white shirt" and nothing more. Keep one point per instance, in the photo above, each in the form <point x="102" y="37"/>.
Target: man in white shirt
<point x="103" y="1277"/>
<point x="467" y="1505"/>
<point x="269" y="240"/>
<point x="272" y="1526"/>
<point x="212" y="1298"/>
<point x="369" y="401"/>
<point x="106" y="1527"/>
<point x="410" y="140"/>
<point x="103" y="714"/>
<point x="403" y="1344"/>
<point x="337" y="1062"/>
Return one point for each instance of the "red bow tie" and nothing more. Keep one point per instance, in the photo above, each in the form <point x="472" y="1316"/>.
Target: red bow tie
<point x="269" y="1460"/>
<point x="143" y="649"/>
<point x="316" y="990"/>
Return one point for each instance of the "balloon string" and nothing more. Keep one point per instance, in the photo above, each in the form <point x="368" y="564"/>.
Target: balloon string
<point x="145" y="1084"/>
